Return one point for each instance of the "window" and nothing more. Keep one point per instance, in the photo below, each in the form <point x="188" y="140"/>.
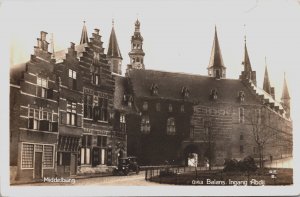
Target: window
<point x="71" y="113"/>
<point x="258" y="116"/>
<point x="157" y="106"/>
<point x="88" y="106"/>
<point x="170" y="108"/>
<point x="241" y="149"/>
<point x="145" y="125"/>
<point x="171" y="130"/>
<point x="145" y="106"/>
<point x="33" y="118"/>
<point x="42" y="88"/>
<point x="154" y="89"/>
<point x="42" y="120"/>
<point x="214" y="94"/>
<point x="241" y="115"/>
<point x="122" y="122"/>
<point x="48" y="156"/>
<point x="72" y="79"/>
<point x="102" y="141"/>
<point x="185" y="92"/>
<point x="97" y="79"/>
<point x="85" y="151"/>
<point x="241" y="96"/>
<point x="241" y="137"/>
<point x="182" y="108"/>
<point x="27" y="155"/>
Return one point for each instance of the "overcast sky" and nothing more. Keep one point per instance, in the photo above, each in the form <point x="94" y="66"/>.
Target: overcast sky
<point x="178" y="35"/>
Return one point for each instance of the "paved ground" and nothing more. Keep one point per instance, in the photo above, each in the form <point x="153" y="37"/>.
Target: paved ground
<point x="130" y="180"/>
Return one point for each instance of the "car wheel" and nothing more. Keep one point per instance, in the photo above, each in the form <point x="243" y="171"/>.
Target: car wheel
<point x="125" y="172"/>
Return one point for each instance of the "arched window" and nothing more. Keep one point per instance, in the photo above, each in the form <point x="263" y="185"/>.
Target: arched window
<point x="171" y="129"/>
<point x="145" y="124"/>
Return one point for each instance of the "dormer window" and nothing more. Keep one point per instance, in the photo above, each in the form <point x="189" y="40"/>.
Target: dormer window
<point x="145" y="106"/>
<point x="241" y="96"/>
<point x="185" y="92"/>
<point x="214" y="94"/>
<point x="127" y="99"/>
<point x="154" y="89"/>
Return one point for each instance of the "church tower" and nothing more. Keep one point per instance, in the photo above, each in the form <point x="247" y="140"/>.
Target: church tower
<point x="216" y="66"/>
<point x="247" y="73"/>
<point x="285" y="98"/>
<point x="136" y="54"/>
<point x="113" y="53"/>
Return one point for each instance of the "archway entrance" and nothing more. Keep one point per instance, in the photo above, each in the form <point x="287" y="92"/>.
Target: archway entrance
<point x="191" y="155"/>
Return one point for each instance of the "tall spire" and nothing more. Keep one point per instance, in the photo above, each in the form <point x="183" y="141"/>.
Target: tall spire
<point x="266" y="84"/>
<point x="247" y="73"/>
<point x="216" y="66"/>
<point x="84" y="36"/>
<point x="113" y="53"/>
<point x="113" y="47"/>
<point x="285" y="91"/>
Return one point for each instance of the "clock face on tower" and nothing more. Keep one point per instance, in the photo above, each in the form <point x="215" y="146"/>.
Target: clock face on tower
<point x="138" y="65"/>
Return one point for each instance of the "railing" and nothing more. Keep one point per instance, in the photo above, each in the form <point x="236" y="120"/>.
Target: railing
<point x="153" y="171"/>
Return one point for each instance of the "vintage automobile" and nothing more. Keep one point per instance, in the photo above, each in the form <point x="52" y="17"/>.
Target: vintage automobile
<point x="126" y="165"/>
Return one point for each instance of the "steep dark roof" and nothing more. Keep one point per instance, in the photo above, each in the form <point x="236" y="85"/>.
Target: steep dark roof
<point x="246" y="62"/>
<point x="113" y="47"/>
<point x="122" y="88"/>
<point x="16" y="72"/>
<point x="216" y="59"/>
<point x="170" y="86"/>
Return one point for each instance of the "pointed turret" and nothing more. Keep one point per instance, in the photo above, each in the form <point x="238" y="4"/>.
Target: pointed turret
<point x="247" y="73"/>
<point x="266" y="84"/>
<point x="136" y="54"/>
<point x="84" y="36"/>
<point x="216" y="66"/>
<point x="285" y="91"/>
<point x="285" y="98"/>
<point x="113" y="53"/>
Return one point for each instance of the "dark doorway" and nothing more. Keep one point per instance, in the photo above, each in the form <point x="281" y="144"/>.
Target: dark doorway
<point x="96" y="157"/>
<point x="38" y="165"/>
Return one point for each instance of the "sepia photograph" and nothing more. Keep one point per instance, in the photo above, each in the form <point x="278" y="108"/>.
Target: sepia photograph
<point x="179" y="97"/>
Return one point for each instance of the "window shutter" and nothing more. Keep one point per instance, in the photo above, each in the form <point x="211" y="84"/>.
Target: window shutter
<point x="79" y="120"/>
<point x="50" y="93"/>
<point x="63" y="116"/>
<point x="54" y="126"/>
<point x="70" y="83"/>
<point x="39" y="91"/>
<point x="79" y="108"/>
<point x="30" y="123"/>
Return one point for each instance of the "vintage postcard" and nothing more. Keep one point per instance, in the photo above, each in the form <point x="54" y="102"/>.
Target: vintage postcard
<point x="176" y="97"/>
